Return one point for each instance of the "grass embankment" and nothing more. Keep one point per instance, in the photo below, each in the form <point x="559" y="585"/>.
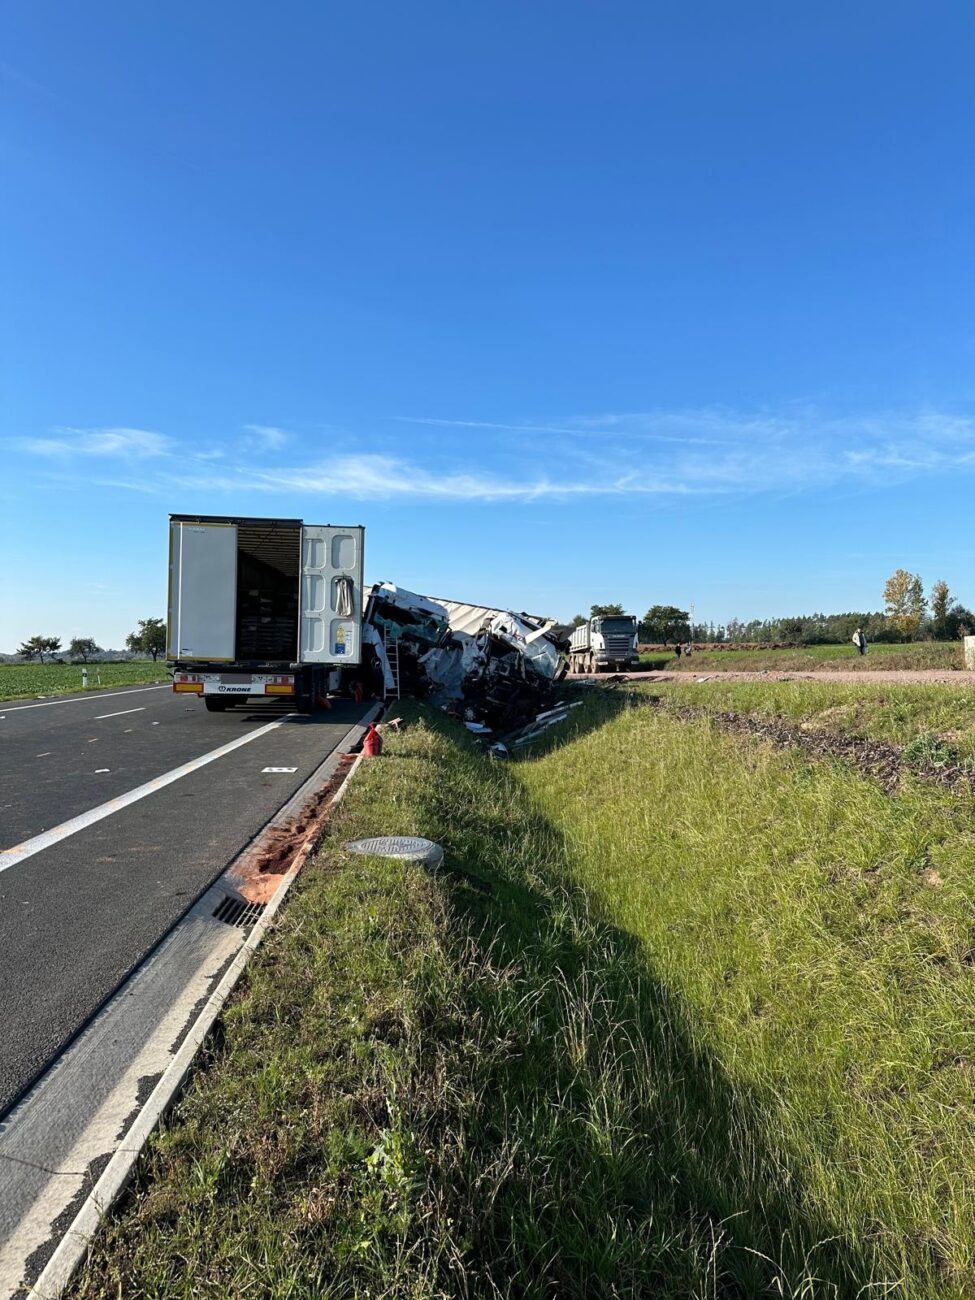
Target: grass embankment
<point x="688" y="1018"/>
<point x="28" y="681"/>
<point x="944" y="655"/>
<point x="919" y="713"/>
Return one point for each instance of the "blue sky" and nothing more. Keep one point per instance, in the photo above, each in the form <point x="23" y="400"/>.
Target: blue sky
<point x="566" y="302"/>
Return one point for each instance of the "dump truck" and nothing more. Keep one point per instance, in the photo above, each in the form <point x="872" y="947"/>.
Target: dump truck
<point x="607" y="642"/>
<point x="268" y="608"/>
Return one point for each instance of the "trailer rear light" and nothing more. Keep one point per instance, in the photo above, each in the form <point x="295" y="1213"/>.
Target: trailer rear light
<point x="279" y="686"/>
<point x="187" y="683"/>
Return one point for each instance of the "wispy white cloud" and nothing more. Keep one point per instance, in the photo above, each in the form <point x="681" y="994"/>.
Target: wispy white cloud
<point x="98" y="442"/>
<point x="372" y="477"/>
<point x="680" y="453"/>
<point x="582" y="427"/>
<point x="266" y="436"/>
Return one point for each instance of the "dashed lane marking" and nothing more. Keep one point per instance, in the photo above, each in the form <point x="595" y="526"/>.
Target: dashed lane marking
<point x="100" y="717"/>
<point x="10" y="857"/>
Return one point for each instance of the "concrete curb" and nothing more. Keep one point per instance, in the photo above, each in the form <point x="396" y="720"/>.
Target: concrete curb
<point x="70" y="1251"/>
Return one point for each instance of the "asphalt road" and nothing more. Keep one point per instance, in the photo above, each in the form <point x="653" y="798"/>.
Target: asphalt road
<point x="78" y="915"/>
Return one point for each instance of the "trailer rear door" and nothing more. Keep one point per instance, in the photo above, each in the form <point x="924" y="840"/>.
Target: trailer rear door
<point x="202" y="591"/>
<point x="330" y="619"/>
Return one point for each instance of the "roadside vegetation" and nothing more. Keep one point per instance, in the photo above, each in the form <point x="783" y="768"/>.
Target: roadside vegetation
<point x="903" y="714"/>
<point x="28" y="681"/>
<point x="686" y="1015"/>
<point x="945" y="655"/>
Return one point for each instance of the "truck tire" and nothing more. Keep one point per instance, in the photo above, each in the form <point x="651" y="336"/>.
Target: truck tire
<point x="215" y="703"/>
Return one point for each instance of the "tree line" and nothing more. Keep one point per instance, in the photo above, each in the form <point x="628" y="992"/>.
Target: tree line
<point x="148" y="639"/>
<point x="907" y="615"/>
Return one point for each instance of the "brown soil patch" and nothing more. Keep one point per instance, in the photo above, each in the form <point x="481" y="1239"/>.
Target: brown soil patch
<point x="260" y="872"/>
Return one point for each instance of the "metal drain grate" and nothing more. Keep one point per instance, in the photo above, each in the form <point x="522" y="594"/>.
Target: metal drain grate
<point x="237" y="911"/>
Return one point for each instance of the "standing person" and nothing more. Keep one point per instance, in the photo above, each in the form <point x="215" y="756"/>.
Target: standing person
<point x="687" y="650"/>
<point x="860" y="641"/>
<point x="677" y="649"/>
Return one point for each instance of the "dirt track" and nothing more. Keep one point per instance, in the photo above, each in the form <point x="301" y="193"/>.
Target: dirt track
<point x="930" y="676"/>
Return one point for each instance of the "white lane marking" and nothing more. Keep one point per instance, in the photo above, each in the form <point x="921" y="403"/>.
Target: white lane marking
<point x="121" y="713"/>
<point x="107" y="695"/>
<point x="102" y="769"/>
<point x="10" y="857"/>
<point x="47" y="753"/>
<point x="279" y="769"/>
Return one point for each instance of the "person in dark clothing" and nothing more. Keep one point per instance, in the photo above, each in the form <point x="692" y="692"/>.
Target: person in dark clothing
<point x="677" y="649"/>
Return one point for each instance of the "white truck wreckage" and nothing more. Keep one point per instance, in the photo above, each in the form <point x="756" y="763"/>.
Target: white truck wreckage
<point x="493" y="666"/>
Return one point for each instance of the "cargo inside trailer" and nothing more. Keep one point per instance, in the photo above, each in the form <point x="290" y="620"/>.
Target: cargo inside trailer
<point x="268" y="563"/>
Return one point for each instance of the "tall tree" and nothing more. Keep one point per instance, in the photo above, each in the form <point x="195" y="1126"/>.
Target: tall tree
<point x="36" y="647"/>
<point x="606" y="611"/>
<point x="149" y="639"/>
<point x="666" y="623"/>
<point x="904" y="600"/>
<point x="578" y="620"/>
<point x="941" y="603"/>
<point x="83" y="648"/>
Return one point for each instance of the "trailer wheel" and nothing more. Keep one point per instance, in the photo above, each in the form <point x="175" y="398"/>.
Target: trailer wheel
<point x="215" y="703"/>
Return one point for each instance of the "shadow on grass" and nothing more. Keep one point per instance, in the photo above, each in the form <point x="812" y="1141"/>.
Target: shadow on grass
<point x="627" y="1163"/>
<point x="594" y="707"/>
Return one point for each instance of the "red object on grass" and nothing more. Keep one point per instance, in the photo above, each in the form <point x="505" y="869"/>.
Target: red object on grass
<point x="372" y="745"/>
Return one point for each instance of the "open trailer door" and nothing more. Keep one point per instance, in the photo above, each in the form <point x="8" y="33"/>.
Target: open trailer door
<point x="330" y="616"/>
<point x="202" y="622"/>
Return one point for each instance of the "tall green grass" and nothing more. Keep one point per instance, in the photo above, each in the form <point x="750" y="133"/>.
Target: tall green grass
<point x="895" y="712"/>
<point x="683" y="1017"/>
<point x="818" y="938"/>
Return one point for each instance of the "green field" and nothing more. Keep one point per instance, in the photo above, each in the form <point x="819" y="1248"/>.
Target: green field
<point x="815" y="658"/>
<point x="686" y="1016"/>
<point x="28" y="681"/>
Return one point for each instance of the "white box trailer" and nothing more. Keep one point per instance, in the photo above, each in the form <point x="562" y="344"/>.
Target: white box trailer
<point x="262" y="607"/>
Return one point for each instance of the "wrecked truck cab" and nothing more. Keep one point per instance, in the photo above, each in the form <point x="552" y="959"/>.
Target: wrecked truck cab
<point x="489" y="665"/>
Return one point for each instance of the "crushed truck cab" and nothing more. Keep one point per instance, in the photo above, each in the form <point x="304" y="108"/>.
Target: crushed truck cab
<point x="262" y="607"/>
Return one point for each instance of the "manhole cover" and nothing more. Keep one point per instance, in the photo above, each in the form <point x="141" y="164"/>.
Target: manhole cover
<point x="410" y="848"/>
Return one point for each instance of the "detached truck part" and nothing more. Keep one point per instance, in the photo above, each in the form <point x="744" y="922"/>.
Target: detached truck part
<point x="262" y="607"/>
<point x="609" y="642"/>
